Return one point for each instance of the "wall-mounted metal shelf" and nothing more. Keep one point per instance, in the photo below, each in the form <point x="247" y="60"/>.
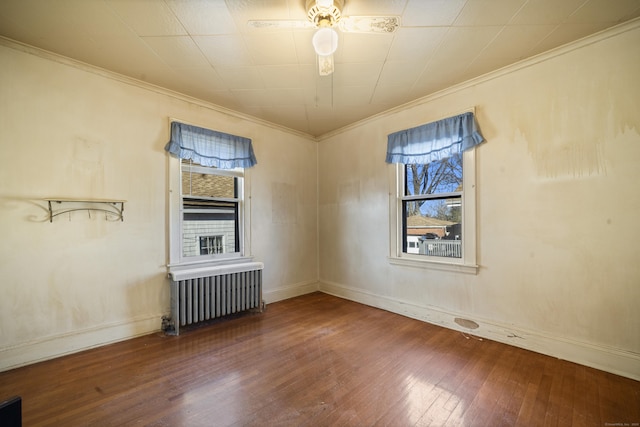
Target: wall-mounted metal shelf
<point x="111" y="208"/>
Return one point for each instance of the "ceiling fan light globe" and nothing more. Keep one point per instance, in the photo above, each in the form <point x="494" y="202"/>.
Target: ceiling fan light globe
<point x="324" y="4"/>
<point x="325" y="41"/>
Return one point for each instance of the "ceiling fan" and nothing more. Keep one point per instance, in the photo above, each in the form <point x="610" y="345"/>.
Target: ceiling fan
<point x="325" y="16"/>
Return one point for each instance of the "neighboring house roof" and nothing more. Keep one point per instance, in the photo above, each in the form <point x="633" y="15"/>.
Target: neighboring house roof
<point x="426" y="221"/>
<point x="418" y="225"/>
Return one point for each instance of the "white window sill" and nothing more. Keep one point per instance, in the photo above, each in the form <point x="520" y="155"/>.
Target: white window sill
<point x="209" y="268"/>
<point x="209" y="262"/>
<point x="435" y="265"/>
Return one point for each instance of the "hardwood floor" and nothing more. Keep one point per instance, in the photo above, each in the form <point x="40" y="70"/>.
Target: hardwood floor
<point x="318" y="360"/>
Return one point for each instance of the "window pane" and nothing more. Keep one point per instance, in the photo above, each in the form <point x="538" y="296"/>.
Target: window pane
<point x="209" y="224"/>
<point x="205" y="185"/>
<point x="433" y="227"/>
<point x="443" y="176"/>
<point x="210" y="245"/>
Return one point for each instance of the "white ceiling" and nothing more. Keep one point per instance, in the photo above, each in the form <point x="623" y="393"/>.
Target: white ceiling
<point x="205" y="49"/>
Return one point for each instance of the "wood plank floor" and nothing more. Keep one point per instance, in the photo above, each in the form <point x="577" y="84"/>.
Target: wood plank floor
<point x="318" y="360"/>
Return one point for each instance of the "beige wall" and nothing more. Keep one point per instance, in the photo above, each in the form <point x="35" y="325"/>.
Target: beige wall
<point x="74" y="131"/>
<point x="558" y="207"/>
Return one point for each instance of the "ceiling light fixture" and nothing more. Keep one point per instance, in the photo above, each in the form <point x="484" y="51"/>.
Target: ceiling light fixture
<point x="324" y="13"/>
<point x="324" y="4"/>
<point x="325" y="43"/>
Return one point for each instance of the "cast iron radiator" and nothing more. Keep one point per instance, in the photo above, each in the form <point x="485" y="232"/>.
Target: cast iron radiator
<point x="206" y="293"/>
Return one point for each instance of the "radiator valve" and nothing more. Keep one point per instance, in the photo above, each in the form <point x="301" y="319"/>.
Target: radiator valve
<point x="168" y="326"/>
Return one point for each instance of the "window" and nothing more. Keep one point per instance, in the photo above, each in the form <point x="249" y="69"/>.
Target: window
<point x="433" y="214"/>
<point x="208" y="207"/>
<point x="211" y="211"/>
<point x="432" y="210"/>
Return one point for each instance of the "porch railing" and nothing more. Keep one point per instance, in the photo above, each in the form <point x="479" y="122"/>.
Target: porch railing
<point x="443" y="248"/>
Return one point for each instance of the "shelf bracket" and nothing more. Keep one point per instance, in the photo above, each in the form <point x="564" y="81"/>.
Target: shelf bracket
<point x="57" y="206"/>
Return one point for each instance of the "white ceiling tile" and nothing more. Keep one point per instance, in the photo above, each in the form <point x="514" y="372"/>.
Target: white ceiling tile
<point x="203" y="17"/>
<point x="396" y="73"/>
<point x="245" y="10"/>
<point x="177" y="51"/>
<point x="253" y="98"/>
<point x="286" y="96"/>
<point x="15" y="29"/>
<point x="435" y="74"/>
<point x="309" y="77"/>
<point x="356" y="74"/>
<point x="97" y="19"/>
<point x="460" y="47"/>
<point x="281" y="76"/>
<point x="428" y="84"/>
<point x="364" y="47"/>
<point x="295" y="10"/>
<point x="462" y="44"/>
<point x="241" y="78"/>
<point x="419" y="44"/>
<point x="290" y="116"/>
<point x="304" y="47"/>
<point x="271" y="48"/>
<point x="604" y="11"/>
<point x="326" y="118"/>
<point x="349" y="114"/>
<point x="352" y="95"/>
<point x="229" y="50"/>
<point x="488" y="12"/>
<point x="225" y="98"/>
<point x="321" y="120"/>
<point x="425" y="13"/>
<point x="81" y="48"/>
<point x="374" y="8"/>
<point x="130" y="56"/>
<point x="483" y="65"/>
<point x="199" y="78"/>
<point x="270" y="97"/>
<point x="252" y="111"/>
<point x="148" y="18"/>
<point x="545" y="12"/>
<point x="42" y="20"/>
<point x="392" y="95"/>
<point x="320" y="90"/>
<point x="516" y="42"/>
<point x="562" y="34"/>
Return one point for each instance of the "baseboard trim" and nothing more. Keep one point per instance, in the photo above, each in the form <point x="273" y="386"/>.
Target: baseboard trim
<point x="54" y="346"/>
<point x="63" y="344"/>
<point x="286" y="292"/>
<point x="615" y="361"/>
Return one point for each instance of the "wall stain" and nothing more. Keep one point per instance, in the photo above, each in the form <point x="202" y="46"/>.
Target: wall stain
<point x="567" y="126"/>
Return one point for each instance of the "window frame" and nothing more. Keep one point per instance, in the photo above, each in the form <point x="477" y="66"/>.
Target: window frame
<point x="465" y="264"/>
<point x="176" y="215"/>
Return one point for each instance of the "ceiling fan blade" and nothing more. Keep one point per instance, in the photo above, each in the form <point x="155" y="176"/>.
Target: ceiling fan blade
<point x="279" y="23"/>
<point x="369" y="24"/>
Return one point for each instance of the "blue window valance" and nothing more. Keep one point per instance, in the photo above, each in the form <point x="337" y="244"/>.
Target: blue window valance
<point x="210" y="148"/>
<point x="434" y="141"/>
